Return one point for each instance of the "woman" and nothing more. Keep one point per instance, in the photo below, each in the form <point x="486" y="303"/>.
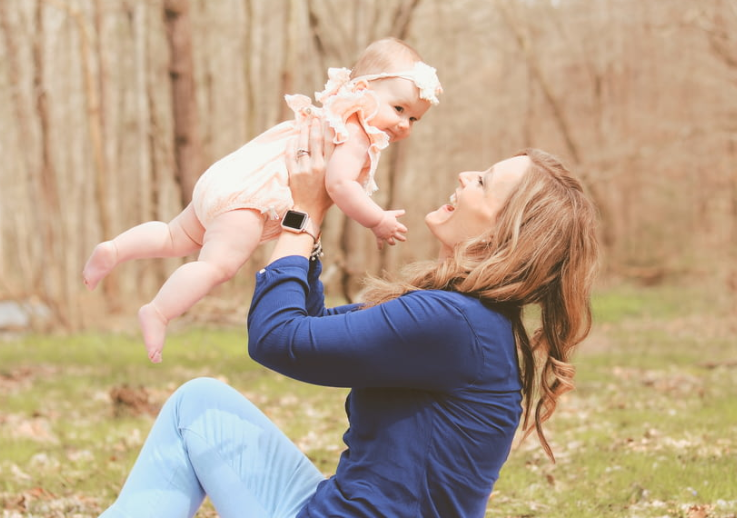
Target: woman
<point x="439" y="363"/>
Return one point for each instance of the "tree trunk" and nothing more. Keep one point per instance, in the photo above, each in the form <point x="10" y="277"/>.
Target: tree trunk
<point x="187" y="143"/>
<point x="526" y="47"/>
<point x="50" y="277"/>
<point x="22" y="122"/>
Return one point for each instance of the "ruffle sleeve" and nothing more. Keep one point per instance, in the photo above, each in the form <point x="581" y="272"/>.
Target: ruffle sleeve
<point x="340" y="101"/>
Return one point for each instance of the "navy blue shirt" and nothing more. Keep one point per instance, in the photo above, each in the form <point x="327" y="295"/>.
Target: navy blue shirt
<point x="435" y="397"/>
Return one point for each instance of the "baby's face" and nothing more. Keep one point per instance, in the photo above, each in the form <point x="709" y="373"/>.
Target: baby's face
<point x="400" y="107"/>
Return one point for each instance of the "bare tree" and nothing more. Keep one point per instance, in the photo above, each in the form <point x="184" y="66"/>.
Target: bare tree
<point x="526" y="45"/>
<point x="187" y="144"/>
<point x="94" y="88"/>
<point x="22" y="122"/>
<point x="718" y="21"/>
<point x="49" y="281"/>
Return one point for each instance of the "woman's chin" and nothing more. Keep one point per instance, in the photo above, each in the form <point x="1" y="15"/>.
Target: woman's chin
<point x="439" y="215"/>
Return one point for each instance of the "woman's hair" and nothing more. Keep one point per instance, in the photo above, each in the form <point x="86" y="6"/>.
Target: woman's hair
<point x="385" y="55"/>
<point x="542" y="249"/>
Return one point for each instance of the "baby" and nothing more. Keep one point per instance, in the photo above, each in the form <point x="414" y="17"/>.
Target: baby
<point x="240" y="200"/>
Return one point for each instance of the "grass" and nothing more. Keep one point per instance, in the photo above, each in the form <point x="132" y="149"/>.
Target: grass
<point x="650" y="431"/>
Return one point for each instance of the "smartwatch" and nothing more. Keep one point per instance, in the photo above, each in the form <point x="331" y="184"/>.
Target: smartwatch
<point x="298" y="222"/>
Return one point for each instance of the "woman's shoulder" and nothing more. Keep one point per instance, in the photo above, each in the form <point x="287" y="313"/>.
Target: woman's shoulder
<point x="448" y="295"/>
<point x="453" y="301"/>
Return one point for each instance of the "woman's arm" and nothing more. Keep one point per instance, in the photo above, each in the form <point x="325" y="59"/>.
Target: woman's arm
<point x="411" y="341"/>
<point x="307" y="183"/>
<point x="421" y="340"/>
<point x="315" y="303"/>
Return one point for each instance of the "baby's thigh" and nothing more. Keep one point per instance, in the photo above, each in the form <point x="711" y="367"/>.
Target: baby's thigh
<point x="232" y="237"/>
<point x="187" y="227"/>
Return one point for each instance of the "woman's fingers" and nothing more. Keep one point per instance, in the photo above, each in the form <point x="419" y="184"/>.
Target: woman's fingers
<point x="303" y="141"/>
<point x="297" y="148"/>
<point x="306" y="166"/>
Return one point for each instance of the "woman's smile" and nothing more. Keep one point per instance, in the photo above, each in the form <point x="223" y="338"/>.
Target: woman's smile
<point x="471" y="209"/>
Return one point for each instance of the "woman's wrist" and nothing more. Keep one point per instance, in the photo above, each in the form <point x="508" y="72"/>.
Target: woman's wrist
<point x="312" y="228"/>
<point x="289" y="244"/>
<point x="299" y="221"/>
<point x="300" y="234"/>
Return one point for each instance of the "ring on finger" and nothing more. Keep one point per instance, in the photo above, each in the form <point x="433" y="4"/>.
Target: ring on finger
<point x="302" y="152"/>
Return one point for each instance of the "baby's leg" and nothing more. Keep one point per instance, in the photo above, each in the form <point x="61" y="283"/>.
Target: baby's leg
<point x="180" y="237"/>
<point x="228" y="243"/>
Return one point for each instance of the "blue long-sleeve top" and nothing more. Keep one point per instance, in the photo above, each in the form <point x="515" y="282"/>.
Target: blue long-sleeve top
<point x="435" y="391"/>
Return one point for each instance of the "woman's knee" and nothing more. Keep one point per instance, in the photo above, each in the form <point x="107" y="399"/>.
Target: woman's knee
<point x="198" y="392"/>
<point x="199" y="388"/>
<point x="204" y="394"/>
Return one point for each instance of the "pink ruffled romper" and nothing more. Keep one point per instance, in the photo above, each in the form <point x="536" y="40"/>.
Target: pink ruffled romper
<point x="255" y="176"/>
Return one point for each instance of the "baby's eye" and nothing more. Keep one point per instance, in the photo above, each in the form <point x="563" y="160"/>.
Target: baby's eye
<point x="413" y="119"/>
<point x="481" y="180"/>
<point x="399" y="109"/>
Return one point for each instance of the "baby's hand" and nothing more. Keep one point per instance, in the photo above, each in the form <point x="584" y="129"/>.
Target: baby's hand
<point x="389" y="230"/>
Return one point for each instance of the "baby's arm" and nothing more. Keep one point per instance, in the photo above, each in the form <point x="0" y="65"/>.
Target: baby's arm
<point x="341" y="179"/>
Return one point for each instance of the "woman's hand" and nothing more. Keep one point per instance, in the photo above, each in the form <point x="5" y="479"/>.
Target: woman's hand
<point x="305" y="159"/>
<point x="306" y="163"/>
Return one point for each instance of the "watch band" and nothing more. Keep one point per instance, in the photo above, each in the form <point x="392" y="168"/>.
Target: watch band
<point x="311" y="232"/>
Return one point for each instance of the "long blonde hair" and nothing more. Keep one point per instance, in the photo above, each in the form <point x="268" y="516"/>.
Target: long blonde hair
<point x="541" y="250"/>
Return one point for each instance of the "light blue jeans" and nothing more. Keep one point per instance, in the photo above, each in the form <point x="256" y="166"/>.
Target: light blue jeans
<point x="210" y="440"/>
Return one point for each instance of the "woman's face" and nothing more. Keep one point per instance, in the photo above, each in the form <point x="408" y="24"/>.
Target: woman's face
<point x="474" y="205"/>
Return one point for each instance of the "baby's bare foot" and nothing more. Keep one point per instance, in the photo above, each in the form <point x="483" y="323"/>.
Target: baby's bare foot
<point x="102" y="261"/>
<point x="153" y="325"/>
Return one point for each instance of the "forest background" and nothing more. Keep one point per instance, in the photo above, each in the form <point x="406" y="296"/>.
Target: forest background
<point x="109" y="110"/>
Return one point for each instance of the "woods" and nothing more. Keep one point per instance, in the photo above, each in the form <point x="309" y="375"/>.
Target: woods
<point x="110" y="111"/>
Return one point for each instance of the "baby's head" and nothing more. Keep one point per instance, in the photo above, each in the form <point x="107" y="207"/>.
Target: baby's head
<point x="406" y="86"/>
<point x="385" y="55"/>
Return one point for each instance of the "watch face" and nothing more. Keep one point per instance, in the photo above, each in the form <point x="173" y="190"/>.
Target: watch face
<point x="295" y="220"/>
